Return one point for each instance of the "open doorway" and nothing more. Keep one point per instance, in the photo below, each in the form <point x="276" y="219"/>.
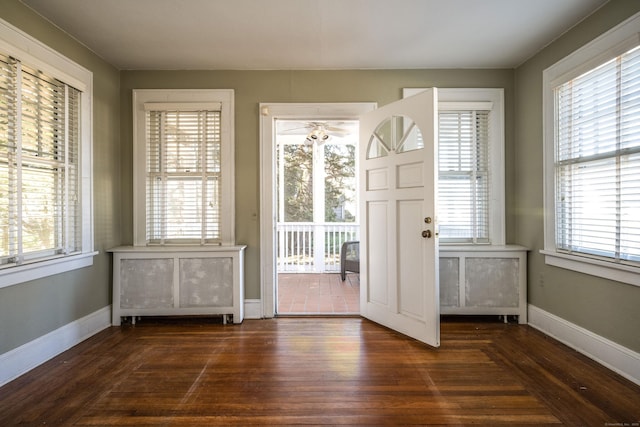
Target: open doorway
<point x="316" y="199"/>
<point x="309" y="163"/>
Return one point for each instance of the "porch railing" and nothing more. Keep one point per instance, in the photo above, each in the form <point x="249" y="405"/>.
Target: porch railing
<point x="313" y="247"/>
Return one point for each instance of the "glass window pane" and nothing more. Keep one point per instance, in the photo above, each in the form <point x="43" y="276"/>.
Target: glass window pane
<point x="297" y="188"/>
<point x="397" y="134"/>
<point x="184" y="208"/>
<point x="340" y="182"/>
<point x="411" y="137"/>
<point x="41" y="206"/>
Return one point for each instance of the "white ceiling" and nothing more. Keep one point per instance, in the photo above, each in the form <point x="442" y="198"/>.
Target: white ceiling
<point x="315" y="34"/>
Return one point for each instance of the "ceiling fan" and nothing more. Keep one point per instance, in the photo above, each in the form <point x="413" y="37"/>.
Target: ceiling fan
<point x="319" y="132"/>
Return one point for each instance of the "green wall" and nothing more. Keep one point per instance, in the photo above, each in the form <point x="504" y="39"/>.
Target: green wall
<point x="254" y="87"/>
<point x="30" y="310"/>
<point x="607" y="308"/>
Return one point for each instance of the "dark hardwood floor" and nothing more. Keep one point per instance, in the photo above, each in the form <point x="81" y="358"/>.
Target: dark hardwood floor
<point x="318" y="371"/>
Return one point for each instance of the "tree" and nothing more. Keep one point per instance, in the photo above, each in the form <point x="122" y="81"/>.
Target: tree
<point x="339" y="182"/>
<point x="339" y="168"/>
<point x="298" y="183"/>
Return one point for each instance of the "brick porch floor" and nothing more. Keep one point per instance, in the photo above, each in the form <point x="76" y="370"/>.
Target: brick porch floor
<point x="318" y="294"/>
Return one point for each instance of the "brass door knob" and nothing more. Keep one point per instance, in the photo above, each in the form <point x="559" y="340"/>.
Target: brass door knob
<point x="426" y="234"/>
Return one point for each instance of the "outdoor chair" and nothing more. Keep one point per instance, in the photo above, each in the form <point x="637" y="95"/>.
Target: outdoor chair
<point x="349" y="258"/>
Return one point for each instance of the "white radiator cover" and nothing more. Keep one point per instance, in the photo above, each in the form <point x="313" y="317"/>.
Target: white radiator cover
<point x="171" y="280"/>
<point x="484" y="280"/>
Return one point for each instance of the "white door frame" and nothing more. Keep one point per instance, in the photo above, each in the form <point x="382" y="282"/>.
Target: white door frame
<point x="269" y="112"/>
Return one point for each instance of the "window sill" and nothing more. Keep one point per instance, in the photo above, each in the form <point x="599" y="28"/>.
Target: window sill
<point x="480" y="248"/>
<point x="594" y="267"/>
<point x="165" y="249"/>
<point x="37" y="270"/>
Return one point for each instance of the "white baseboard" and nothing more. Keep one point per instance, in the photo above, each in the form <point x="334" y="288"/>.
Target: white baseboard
<point x="252" y="309"/>
<point x="619" y="359"/>
<point x="28" y="356"/>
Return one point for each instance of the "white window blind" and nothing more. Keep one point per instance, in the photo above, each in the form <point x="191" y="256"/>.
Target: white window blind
<point x="40" y="214"/>
<point x="183" y="184"/>
<point x="597" y="161"/>
<point x="463" y="178"/>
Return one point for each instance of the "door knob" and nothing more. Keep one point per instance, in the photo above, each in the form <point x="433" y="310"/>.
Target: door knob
<point x="426" y="234"/>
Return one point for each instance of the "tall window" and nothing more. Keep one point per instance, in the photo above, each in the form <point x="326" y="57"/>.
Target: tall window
<point x="38" y="165"/>
<point x="185" y="168"/>
<point x="183" y="176"/>
<point x="463" y="177"/>
<point x="470" y="165"/>
<point x="592" y="157"/>
<point x="44" y="128"/>
<point x="597" y="160"/>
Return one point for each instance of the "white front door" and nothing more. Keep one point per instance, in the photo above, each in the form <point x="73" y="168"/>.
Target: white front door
<point x="398" y="238"/>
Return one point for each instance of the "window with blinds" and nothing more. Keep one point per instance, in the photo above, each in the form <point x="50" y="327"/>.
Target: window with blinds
<point x="463" y="177"/>
<point x="597" y="161"/>
<point x="183" y="174"/>
<point x="40" y="213"/>
<point x="183" y="182"/>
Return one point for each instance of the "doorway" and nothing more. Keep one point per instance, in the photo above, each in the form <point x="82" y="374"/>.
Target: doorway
<point x="317" y="200"/>
<point x="405" y="299"/>
<point x="309" y="160"/>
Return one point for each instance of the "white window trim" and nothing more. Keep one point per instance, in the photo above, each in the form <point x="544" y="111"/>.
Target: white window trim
<point x="611" y="44"/>
<point x="37" y="55"/>
<point x="195" y="98"/>
<point x="461" y="98"/>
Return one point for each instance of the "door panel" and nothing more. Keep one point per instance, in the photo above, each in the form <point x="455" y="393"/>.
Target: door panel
<point x="410" y="259"/>
<point x="399" y="264"/>
<point x="377" y="214"/>
<point x="377" y="179"/>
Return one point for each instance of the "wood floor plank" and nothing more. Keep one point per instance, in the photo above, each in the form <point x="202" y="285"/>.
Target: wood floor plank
<point x="317" y="371"/>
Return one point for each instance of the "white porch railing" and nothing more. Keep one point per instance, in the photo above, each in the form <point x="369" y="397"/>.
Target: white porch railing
<point x="313" y="248"/>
